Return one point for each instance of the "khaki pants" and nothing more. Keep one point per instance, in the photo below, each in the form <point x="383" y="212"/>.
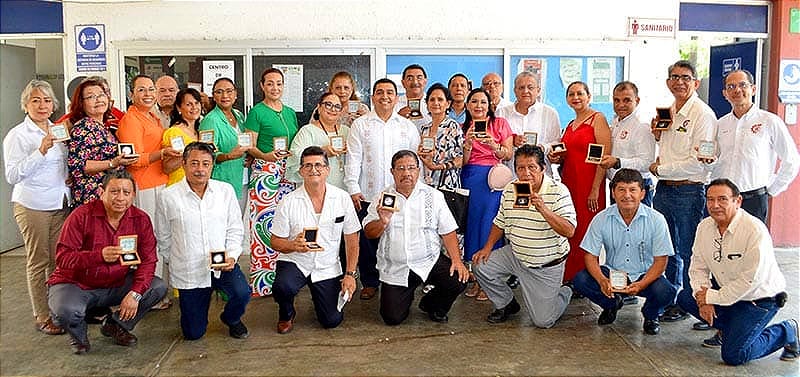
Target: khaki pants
<point x="40" y="231"/>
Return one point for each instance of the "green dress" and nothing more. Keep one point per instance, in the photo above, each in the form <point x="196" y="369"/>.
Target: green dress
<point x="226" y="138"/>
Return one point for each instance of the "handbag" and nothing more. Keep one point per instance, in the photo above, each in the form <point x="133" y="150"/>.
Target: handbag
<point x="457" y="201"/>
<point x="499" y="176"/>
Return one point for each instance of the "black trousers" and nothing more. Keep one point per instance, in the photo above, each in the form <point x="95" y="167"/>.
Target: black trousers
<point x="396" y="300"/>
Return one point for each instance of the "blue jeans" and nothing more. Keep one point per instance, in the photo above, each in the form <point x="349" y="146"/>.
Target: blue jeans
<point x="324" y="293"/>
<point x="743" y="327"/>
<point x="195" y="303"/>
<point x="658" y="294"/>
<point x="682" y="206"/>
<point x="367" y="254"/>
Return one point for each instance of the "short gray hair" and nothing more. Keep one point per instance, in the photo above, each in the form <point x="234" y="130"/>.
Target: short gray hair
<point x="44" y="86"/>
<point x="527" y="74"/>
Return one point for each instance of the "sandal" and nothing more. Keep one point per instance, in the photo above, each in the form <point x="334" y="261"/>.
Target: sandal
<point x="49" y="328"/>
<point x="164" y="304"/>
<point x="481" y="296"/>
<point x="473" y="290"/>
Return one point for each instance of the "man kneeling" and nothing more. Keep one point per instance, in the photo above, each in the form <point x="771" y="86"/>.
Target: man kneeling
<point x="637" y="246"/>
<point x="106" y="256"/>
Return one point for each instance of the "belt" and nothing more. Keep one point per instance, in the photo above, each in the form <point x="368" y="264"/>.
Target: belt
<point x="779" y="300"/>
<point x="552" y="263"/>
<point x="678" y="183"/>
<point x="754" y="193"/>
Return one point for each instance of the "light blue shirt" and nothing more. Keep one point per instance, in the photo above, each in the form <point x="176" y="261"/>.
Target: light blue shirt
<point x="460" y="118"/>
<point x="630" y="248"/>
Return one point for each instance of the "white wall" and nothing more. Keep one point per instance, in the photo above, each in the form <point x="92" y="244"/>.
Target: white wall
<point x="565" y="26"/>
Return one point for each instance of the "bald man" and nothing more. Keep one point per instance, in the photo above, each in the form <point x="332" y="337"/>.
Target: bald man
<point x="493" y="84"/>
<point x="166" y="89"/>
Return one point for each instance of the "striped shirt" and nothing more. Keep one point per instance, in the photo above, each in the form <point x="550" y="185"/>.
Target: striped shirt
<point x="533" y="240"/>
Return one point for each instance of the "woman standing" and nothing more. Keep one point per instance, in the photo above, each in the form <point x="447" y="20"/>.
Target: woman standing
<point x="480" y="154"/>
<point x="92" y="146"/>
<point x="442" y="165"/>
<point x="36" y="166"/>
<point x="269" y="119"/>
<point x="327" y="115"/>
<point x="585" y="181"/>
<point x="185" y="121"/>
<point x="227" y="123"/>
<point x="344" y="86"/>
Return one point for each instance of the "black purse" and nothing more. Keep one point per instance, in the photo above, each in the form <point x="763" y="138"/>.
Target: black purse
<point x="457" y="202"/>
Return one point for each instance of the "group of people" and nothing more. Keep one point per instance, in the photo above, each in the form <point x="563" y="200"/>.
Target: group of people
<point x="356" y="194"/>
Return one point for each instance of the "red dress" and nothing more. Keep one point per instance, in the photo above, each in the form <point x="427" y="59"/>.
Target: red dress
<point x="578" y="176"/>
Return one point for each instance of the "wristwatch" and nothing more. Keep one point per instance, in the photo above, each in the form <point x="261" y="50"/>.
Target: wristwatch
<point x="354" y="274"/>
<point x="136" y="296"/>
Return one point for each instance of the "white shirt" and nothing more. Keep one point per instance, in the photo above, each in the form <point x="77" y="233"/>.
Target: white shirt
<point x="402" y="102"/>
<point x="411" y="240"/>
<point x="749" y="148"/>
<point x="295" y="212"/>
<point x="39" y="180"/>
<point x="370" y="147"/>
<point x="541" y="118"/>
<point x="746" y="269"/>
<point x="189" y="228"/>
<point x="693" y="123"/>
<point x="503" y="103"/>
<point x="633" y="144"/>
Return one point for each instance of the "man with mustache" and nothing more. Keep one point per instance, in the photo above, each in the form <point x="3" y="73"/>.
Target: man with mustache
<point x="200" y="230"/>
<point x="414" y="81"/>
<point x="412" y="219"/>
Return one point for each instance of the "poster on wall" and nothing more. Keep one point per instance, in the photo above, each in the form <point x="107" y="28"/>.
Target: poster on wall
<point x="539" y="68"/>
<point x="600" y="76"/>
<point x="90" y="48"/>
<point x="292" y="85"/>
<point x="570" y="70"/>
<point x="214" y="70"/>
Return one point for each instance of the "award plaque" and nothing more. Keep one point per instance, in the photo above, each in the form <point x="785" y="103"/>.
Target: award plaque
<point x="415" y="105"/>
<point x="389" y="201"/>
<point x="177" y="143"/>
<point x="352" y="106"/>
<point x="619" y="279"/>
<point x="310" y="235"/>
<point x="337" y="143"/>
<point x="428" y="144"/>
<point x="707" y="150"/>
<point x="245" y="140"/>
<point x="479" y="129"/>
<point x="522" y="195"/>
<point x="219" y="258"/>
<point x="59" y="132"/>
<point x="126" y="150"/>
<point x="559" y="148"/>
<point x="207" y="136"/>
<point x="531" y="138"/>
<point x="595" y="153"/>
<point x="280" y="145"/>
<point x="663" y="118"/>
<point x="129" y="256"/>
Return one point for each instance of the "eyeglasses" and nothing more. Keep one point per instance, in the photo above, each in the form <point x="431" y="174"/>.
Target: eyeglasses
<point x="95" y="97"/>
<point x="492" y="83"/>
<point x="404" y="169"/>
<point x="332" y="106"/>
<point x="718" y="253"/>
<point x="684" y="78"/>
<point x="316" y="166"/>
<point x="220" y="92"/>
<point x="742" y="85"/>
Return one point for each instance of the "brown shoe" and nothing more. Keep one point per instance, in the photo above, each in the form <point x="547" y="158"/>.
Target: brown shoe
<point x="368" y="293"/>
<point x="284" y="327"/>
<point x="481" y="296"/>
<point x="473" y="290"/>
<point x="121" y="336"/>
<point x="49" y="328"/>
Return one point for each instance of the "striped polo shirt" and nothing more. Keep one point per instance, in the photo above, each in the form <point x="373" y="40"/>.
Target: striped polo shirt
<point x="532" y="239"/>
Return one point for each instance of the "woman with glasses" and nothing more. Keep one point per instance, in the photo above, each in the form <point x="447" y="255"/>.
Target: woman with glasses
<point x="273" y="122"/>
<point x="185" y="121"/>
<point x="344" y="87"/>
<point x="92" y="146"/>
<point x="326" y="133"/>
<point x="585" y="181"/>
<point x="35" y="165"/>
<point x="481" y="152"/>
<point x="227" y="124"/>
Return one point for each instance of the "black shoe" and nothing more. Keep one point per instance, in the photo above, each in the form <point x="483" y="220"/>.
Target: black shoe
<point x="513" y="281"/>
<point x="608" y="316"/>
<point x="651" y="327"/>
<point x="501" y="315"/>
<point x="714" y="341"/>
<point x="236" y="330"/>
<point x="791" y="351"/>
<point x="78" y="347"/>
<point x="673" y="314"/>
<point x="630" y="300"/>
<point x="422" y="306"/>
<point x="701" y="326"/>
<point x="435" y="316"/>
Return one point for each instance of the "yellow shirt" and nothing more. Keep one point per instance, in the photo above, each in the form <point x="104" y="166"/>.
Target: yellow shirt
<point x="169" y="133"/>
